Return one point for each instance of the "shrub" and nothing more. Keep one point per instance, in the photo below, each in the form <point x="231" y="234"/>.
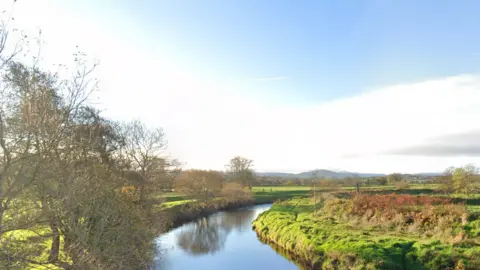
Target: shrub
<point x="234" y="192"/>
<point x="401" y="185"/>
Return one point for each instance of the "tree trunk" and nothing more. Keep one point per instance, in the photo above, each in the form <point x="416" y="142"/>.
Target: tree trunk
<point x="55" y="248"/>
<point x="141" y="196"/>
<point x="3" y="208"/>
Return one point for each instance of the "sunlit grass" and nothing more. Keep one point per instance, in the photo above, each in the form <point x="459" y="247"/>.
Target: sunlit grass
<point x="36" y="242"/>
<point x="278" y="188"/>
<point x="175" y="203"/>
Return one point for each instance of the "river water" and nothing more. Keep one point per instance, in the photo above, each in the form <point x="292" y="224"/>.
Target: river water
<point x="221" y="241"/>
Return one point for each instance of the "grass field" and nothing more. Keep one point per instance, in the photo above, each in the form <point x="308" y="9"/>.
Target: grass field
<point x="261" y="195"/>
<point x="274" y="193"/>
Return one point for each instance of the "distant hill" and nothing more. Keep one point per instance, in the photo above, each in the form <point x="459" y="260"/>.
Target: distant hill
<point x="319" y="173"/>
<point x="332" y="174"/>
<point x="429" y="174"/>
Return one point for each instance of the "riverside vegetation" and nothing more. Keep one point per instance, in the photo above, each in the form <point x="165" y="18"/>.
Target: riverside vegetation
<point x="389" y="229"/>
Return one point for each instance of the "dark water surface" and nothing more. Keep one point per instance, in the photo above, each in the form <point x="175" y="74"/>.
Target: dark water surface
<point x="221" y="241"/>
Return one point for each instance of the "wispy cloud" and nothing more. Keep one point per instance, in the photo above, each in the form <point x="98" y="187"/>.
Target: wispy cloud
<point x="271" y="78"/>
<point x="439" y="150"/>
<point x="460" y="144"/>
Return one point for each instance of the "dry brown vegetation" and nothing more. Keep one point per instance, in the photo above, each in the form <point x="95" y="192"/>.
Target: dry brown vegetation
<point x="425" y="215"/>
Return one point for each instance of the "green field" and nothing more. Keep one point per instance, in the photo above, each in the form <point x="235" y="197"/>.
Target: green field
<point x="260" y="194"/>
<point x="269" y="194"/>
<point x="274" y="193"/>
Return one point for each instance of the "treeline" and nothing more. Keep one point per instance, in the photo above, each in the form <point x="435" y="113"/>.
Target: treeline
<point x="347" y="181"/>
<point x="464" y="179"/>
<point x="453" y="179"/>
<point x="207" y="185"/>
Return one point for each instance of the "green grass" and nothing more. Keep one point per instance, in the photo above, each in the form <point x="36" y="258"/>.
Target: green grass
<point x="266" y="194"/>
<point x="173" y="197"/>
<point x="279" y="188"/>
<point x="269" y="194"/>
<point x="274" y="193"/>
<point x="35" y="242"/>
<point x="330" y="243"/>
<point x="170" y="204"/>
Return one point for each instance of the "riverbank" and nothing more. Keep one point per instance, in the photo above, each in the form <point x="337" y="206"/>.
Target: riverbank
<point x="403" y="232"/>
<point x="186" y="212"/>
<point x="180" y="210"/>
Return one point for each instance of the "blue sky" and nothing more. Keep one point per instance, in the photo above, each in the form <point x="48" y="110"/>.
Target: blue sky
<point x="367" y="86"/>
<point x="325" y="49"/>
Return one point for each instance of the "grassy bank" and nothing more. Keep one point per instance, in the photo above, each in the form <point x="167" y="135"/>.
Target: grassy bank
<point x="374" y="232"/>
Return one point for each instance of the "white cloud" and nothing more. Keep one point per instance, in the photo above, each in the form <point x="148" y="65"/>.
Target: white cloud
<point x="271" y="78"/>
<point x="208" y="120"/>
<point x="208" y="127"/>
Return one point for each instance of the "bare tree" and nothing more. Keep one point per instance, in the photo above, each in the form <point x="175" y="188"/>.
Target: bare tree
<point x="240" y="169"/>
<point x="144" y="153"/>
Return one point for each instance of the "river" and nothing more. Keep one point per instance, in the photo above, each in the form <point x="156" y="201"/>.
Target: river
<point x="224" y="240"/>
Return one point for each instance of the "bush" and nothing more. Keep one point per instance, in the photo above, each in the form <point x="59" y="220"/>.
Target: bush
<point x="401" y="185"/>
<point x="233" y="192"/>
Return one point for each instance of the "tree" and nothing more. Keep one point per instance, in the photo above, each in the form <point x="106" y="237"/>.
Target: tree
<point x="459" y="182"/>
<point x="394" y="178"/>
<point x="144" y="156"/>
<point x="462" y="178"/>
<point x="30" y="129"/>
<point x="446" y="179"/>
<point x="240" y="169"/>
<point x="458" y="179"/>
<point x="381" y="180"/>
<point x="234" y="192"/>
<point x="61" y="170"/>
<point x="199" y="184"/>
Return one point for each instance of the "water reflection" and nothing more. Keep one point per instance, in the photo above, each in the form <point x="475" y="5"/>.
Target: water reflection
<point x="222" y="241"/>
<point x="204" y="236"/>
<point x="239" y="220"/>
<point x="208" y="235"/>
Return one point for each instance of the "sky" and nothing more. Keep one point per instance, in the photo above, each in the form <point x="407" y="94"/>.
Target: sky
<point x="365" y="86"/>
